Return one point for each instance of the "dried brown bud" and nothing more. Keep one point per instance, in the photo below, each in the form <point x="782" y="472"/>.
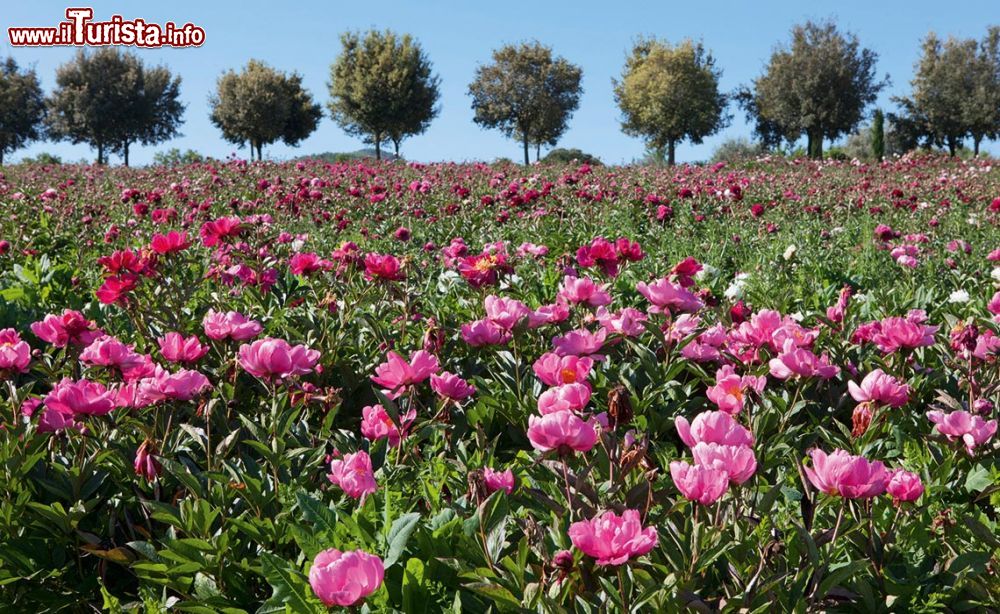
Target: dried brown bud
<point x="619" y="407"/>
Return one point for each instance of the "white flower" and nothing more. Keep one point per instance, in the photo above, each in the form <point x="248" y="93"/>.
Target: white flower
<point x="790" y="252"/>
<point x="735" y="289"/>
<point x="995" y="274"/>
<point x="707" y="272"/>
<point x="958" y="296"/>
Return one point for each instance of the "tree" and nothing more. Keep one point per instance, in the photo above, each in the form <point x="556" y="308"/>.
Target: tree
<point x="670" y="93"/>
<point x="981" y="108"/>
<point x="382" y="88"/>
<point x="109" y="99"/>
<point x="878" y="136"/>
<point x="526" y="93"/>
<point x="819" y="85"/>
<point x="261" y="105"/>
<point x="22" y="107"/>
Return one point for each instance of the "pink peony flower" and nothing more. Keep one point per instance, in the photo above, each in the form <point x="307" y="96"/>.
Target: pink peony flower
<point x="230" y="325"/>
<point x="396" y="376"/>
<point x="841" y="473"/>
<point x="15" y="355"/>
<point x="452" y="387"/>
<point x="627" y="322"/>
<point x="970" y="428"/>
<point x="666" y="296"/>
<point x="485" y="332"/>
<point x="548" y="314"/>
<point x="729" y="388"/>
<point x="170" y="243"/>
<point x="903" y="486"/>
<point x="270" y="358"/>
<point x="181" y="386"/>
<point x="567" y="397"/>
<point x="108" y="351"/>
<point x="376" y="424"/>
<point x="580" y="342"/>
<point x="176" y="348"/>
<point x="498" y="480"/>
<point x="563" y="431"/>
<point x="579" y="290"/>
<point x="80" y="398"/>
<point x="386" y="267"/>
<point x="697" y="483"/>
<point x="353" y="474"/>
<point x="505" y="312"/>
<point x="881" y="388"/>
<point x="800" y="362"/>
<point x="904" y="333"/>
<point x="70" y="328"/>
<point x="613" y="539"/>
<point x="713" y="427"/>
<point x="345" y="578"/>
<point x="738" y="462"/>
<point x="145" y="464"/>
<point x="555" y="370"/>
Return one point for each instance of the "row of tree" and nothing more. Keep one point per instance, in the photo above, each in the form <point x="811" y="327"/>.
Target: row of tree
<point x="382" y="89"/>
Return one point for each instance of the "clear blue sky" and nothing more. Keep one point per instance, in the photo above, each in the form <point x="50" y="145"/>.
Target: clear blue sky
<point x="459" y="35"/>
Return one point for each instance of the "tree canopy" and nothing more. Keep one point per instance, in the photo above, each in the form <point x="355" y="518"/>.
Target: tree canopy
<point x="819" y="85"/>
<point x="260" y="105"/>
<point x="670" y="93"/>
<point x="109" y="99"/>
<point x="527" y="94"/>
<point x="22" y="107"/>
<point x="382" y="88"/>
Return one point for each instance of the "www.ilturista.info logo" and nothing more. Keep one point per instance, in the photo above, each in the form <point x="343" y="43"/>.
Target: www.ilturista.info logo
<point x="79" y="29"/>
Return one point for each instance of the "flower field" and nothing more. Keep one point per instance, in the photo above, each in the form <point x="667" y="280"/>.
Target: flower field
<point x="233" y="387"/>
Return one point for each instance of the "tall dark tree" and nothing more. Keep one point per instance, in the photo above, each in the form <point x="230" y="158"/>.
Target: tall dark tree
<point x="110" y="100"/>
<point x="526" y="93"/>
<point x="819" y="85"/>
<point x="670" y="93"/>
<point x="382" y="88"/>
<point x="22" y="107"/>
<point x="878" y="135"/>
<point x="260" y="105"/>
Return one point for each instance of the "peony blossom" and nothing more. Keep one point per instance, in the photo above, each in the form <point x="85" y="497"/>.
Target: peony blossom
<point x="498" y="480"/>
<point x="844" y="474"/>
<point x="627" y="322"/>
<point x="175" y="347"/>
<point x="69" y="328"/>
<point x="485" y="332"/>
<point x="230" y="325"/>
<point x="276" y="359"/>
<point x="800" y="362"/>
<point x="15" y="355"/>
<point x="580" y="342"/>
<point x="881" y="388"/>
<point x="385" y="267"/>
<point x="581" y="290"/>
<point x="704" y="485"/>
<point x="567" y="397"/>
<point x="181" y="386"/>
<point x="970" y="428"/>
<point x="376" y="424"/>
<point x="563" y="431"/>
<point x="397" y="376"/>
<point x="738" y="462"/>
<point x="555" y="370"/>
<point x="452" y="387"/>
<point x="505" y="312"/>
<point x="353" y="474"/>
<point x="666" y="296"/>
<point x="904" y="486"/>
<point x="345" y="578"/>
<point x="613" y="539"/>
<point x="728" y="391"/>
<point x="80" y="398"/>
<point x="713" y="427"/>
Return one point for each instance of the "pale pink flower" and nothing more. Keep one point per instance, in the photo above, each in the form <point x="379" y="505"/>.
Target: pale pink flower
<point x="566" y="397"/>
<point x="800" y="362"/>
<point x="881" y="388"/>
<point x="353" y="474"/>
<point x="580" y="342"/>
<point x="667" y="296"/>
<point x="230" y="325"/>
<point x="345" y="578"/>
<point x="738" y="462"/>
<point x="376" y="424"/>
<point x="485" y="332"/>
<point x="15" y="355"/>
<point x="960" y="424"/>
<point x="270" y="358"/>
<point x="613" y="539"/>
<point x="627" y="322"/>
<point x="904" y="486"/>
<point x="498" y="480"/>
<point x="397" y="376"/>
<point x="579" y="290"/>
<point x="505" y="312"/>
<point x="697" y="483"/>
<point x="175" y="347"/>
<point x="450" y="386"/>
<point x="563" y="431"/>
<point x="555" y="370"/>
<point x="841" y="473"/>
<point x="713" y="427"/>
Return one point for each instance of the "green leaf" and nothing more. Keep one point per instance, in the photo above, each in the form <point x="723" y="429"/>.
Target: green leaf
<point x="289" y="586"/>
<point x="978" y="480"/>
<point x="399" y="534"/>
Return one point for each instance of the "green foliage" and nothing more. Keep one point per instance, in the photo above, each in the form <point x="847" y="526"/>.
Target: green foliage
<point x="175" y="157"/>
<point x="260" y="105"/>
<point x="737" y="150"/>
<point x="382" y="88"/>
<point x="22" y="107"/>
<point x="526" y="93"/>
<point x="566" y="156"/>
<point x="109" y="99"/>
<point x="42" y="158"/>
<point x="819" y="85"/>
<point x="670" y="93"/>
<point x="878" y="136"/>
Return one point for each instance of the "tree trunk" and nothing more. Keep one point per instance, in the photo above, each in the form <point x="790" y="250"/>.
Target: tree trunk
<point x="976" y="140"/>
<point x="100" y="152"/>
<point x="378" y="146"/>
<point x="527" y="161"/>
<point x="952" y="146"/>
<point x="814" y="144"/>
<point x="126" y="153"/>
<point x="671" y="148"/>
<point x="1" y="157"/>
<point x="395" y="144"/>
<point x="538" y="152"/>
<point x="260" y="155"/>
